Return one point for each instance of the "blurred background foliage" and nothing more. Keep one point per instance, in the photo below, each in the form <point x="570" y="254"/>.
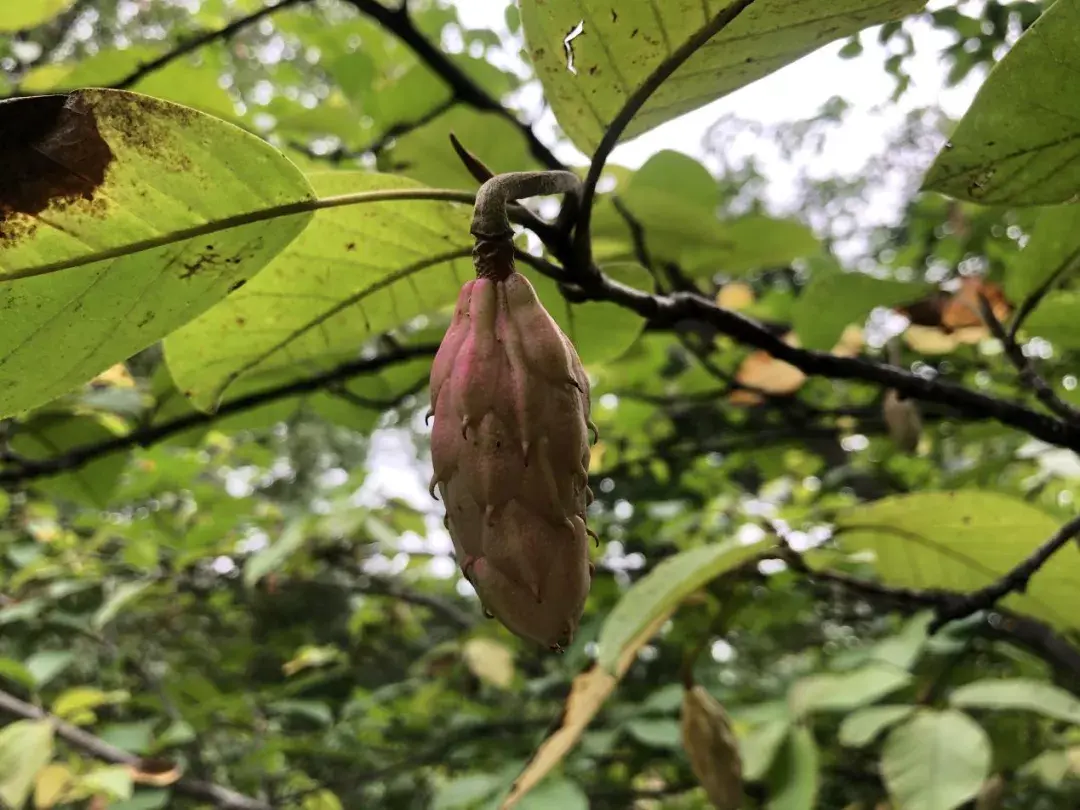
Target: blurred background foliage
<point x="267" y="600"/>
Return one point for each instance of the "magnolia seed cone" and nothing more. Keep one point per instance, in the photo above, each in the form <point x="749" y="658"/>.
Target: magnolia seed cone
<point x="712" y="748"/>
<point x="510" y="453"/>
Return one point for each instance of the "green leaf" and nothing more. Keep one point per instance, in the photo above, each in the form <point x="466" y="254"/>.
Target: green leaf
<point x="962" y="541"/>
<point x="1019" y="693"/>
<point x="675" y="200"/>
<point x="1055" y="319"/>
<point x="794" y="780"/>
<point x="555" y="794"/>
<point x="846" y="691"/>
<point x="758" y="749"/>
<point x="1052" y="251"/>
<point x="144" y="800"/>
<point x="835" y="299"/>
<point x="17" y="672"/>
<point x="935" y="761"/>
<point x="356" y="272"/>
<point x="601" y="331"/>
<point x="660" y="732"/>
<point x="107" y="257"/>
<point x="465" y="791"/>
<point x="425" y="154"/>
<point x="30" y="13"/>
<point x="121" y="597"/>
<point x="75" y="701"/>
<point x="862" y="727"/>
<point x="132" y="737"/>
<point x="113" y="781"/>
<point x="665" y="586"/>
<point x="48" y="435"/>
<point x="26" y="746"/>
<point x="904" y="649"/>
<point x="274" y="556"/>
<point x="1017" y="142"/>
<point x="616" y="53"/>
<point x="47" y="664"/>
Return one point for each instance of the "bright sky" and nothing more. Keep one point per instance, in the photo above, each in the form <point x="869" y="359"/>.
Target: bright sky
<point x="795" y="92"/>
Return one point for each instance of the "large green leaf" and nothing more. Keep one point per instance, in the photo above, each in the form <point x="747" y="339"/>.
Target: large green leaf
<point x="1055" y="319"/>
<point x="1018" y="143"/>
<point x="834" y="299"/>
<point x="99" y="173"/>
<point x="664" y="587"/>
<point x="26" y="746"/>
<point x="962" y="541"/>
<point x="622" y="44"/>
<point x="846" y="691"/>
<point x="1019" y="693"/>
<point x="758" y="748"/>
<point x="935" y="761"/>
<point x="795" y="776"/>
<point x="426" y="154"/>
<point x="356" y="272"/>
<point x="30" y="13"/>
<point x="862" y="727"/>
<point x="1052" y="251"/>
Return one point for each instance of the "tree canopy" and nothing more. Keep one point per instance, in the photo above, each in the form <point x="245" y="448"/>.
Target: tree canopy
<point x="836" y="477"/>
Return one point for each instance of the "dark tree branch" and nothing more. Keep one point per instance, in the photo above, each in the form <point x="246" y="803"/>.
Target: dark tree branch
<point x="31" y="469"/>
<point x="1014" y="581"/>
<point x="383" y="586"/>
<point x="1032" y="634"/>
<point x="637" y="100"/>
<point x="221" y="797"/>
<point x="669" y="310"/>
<point x="398" y="22"/>
<point x="1024" y="367"/>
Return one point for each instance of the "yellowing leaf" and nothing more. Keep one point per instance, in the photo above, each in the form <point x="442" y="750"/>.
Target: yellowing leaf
<point x="735" y="296"/>
<point x="489" y="661"/>
<point x="26" y="746"/>
<point x="309" y="657"/>
<point x="588" y="692"/>
<point x="83" y="698"/>
<point x="51" y="784"/>
<point x="116" y="376"/>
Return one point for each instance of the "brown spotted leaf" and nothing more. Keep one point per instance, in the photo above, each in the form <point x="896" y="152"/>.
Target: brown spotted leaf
<point x="122" y="217"/>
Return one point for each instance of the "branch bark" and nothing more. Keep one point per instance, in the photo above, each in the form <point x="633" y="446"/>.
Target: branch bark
<point x="221" y="797"/>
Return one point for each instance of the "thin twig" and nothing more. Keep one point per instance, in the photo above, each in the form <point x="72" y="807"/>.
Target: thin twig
<point x="1024" y="366"/>
<point x="196" y="42"/>
<point x="221" y="797"/>
<point x="30" y="469"/>
<point x="637" y="100"/>
<point x="1014" y="581"/>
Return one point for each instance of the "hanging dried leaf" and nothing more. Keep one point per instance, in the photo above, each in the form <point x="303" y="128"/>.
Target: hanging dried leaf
<point x="588" y="692"/>
<point x="712" y="748"/>
<point x="489" y="661"/>
<point x="903" y="421"/>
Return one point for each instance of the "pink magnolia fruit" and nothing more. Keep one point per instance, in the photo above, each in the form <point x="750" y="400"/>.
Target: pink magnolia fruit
<point x="510" y="450"/>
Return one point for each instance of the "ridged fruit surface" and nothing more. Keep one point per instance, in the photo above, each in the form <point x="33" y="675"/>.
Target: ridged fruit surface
<point x="510" y="450"/>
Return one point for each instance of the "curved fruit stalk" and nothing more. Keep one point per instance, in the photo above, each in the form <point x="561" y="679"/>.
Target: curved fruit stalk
<point x="509" y="443"/>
